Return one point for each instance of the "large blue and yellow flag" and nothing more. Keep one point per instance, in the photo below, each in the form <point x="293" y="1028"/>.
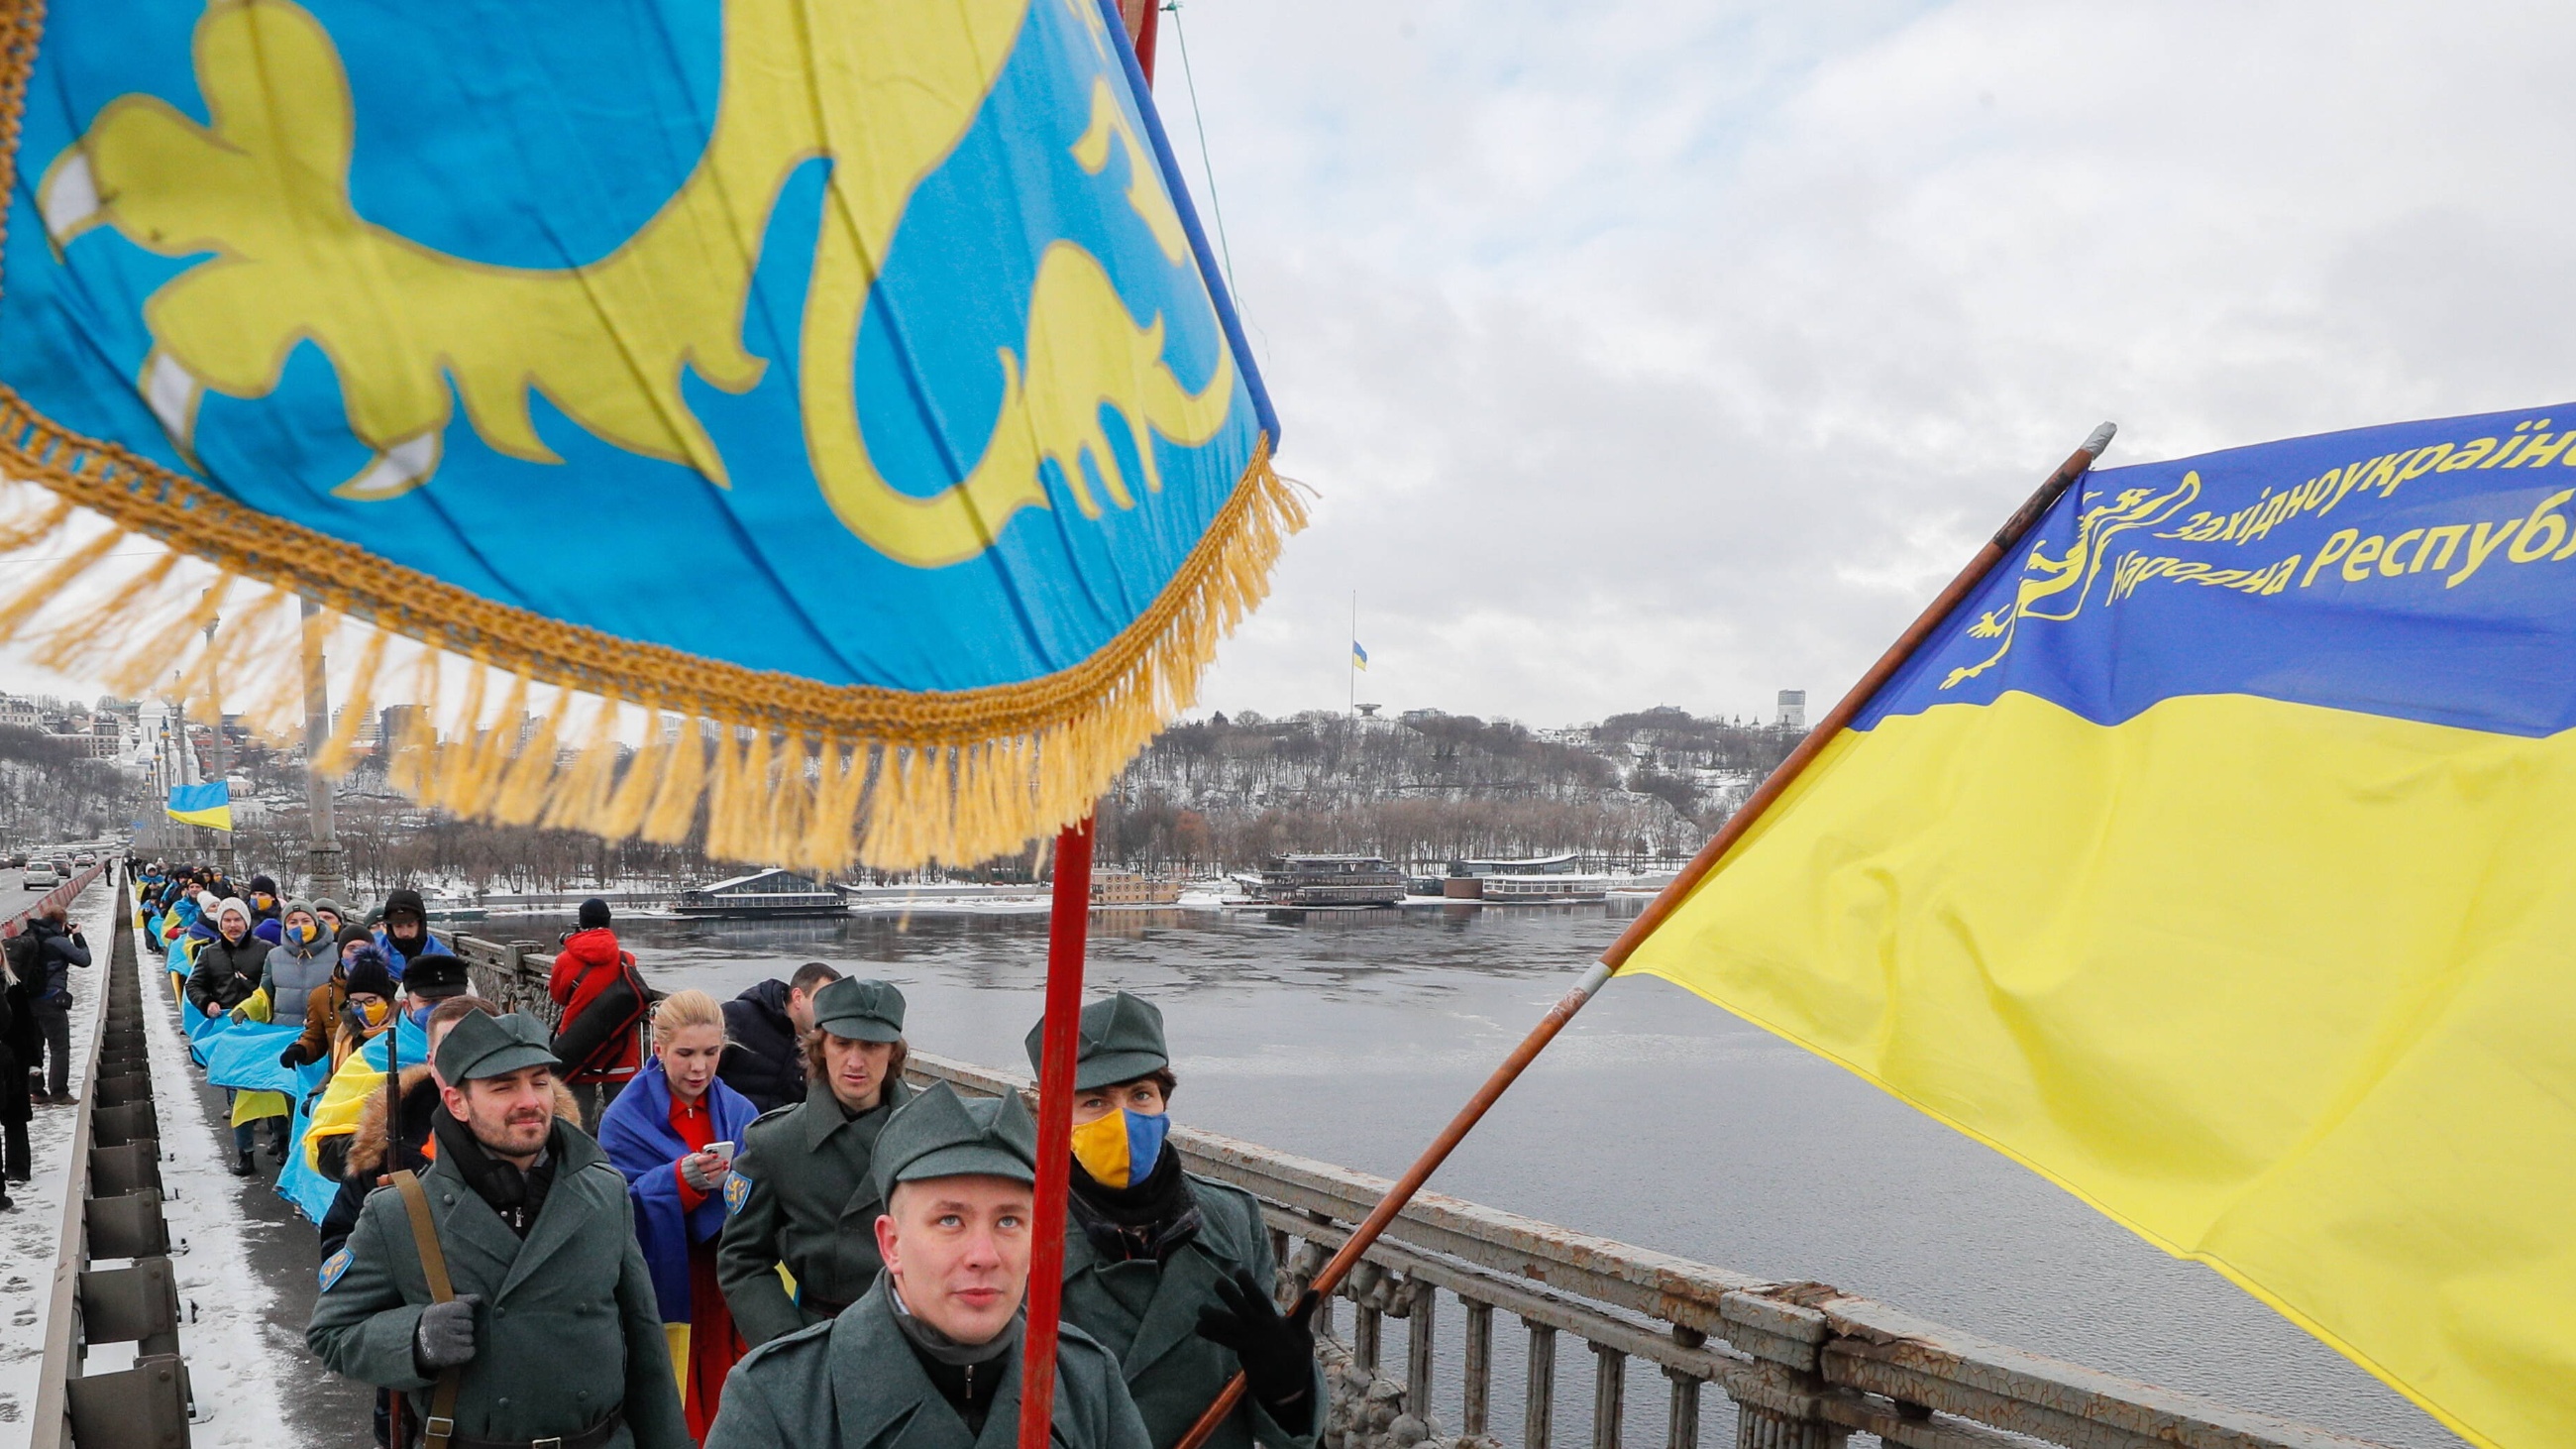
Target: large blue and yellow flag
<point x="838" y="400"/>
<point x="2215" y="861"/>
<point x="210" y="804"/>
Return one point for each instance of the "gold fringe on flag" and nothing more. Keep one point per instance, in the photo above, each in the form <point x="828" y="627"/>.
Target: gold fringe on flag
<point x="772" y="768"/>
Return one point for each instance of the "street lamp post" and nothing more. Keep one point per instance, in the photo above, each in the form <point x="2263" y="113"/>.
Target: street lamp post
<point x="222" y="766"/>
<point x="322" y="856"/>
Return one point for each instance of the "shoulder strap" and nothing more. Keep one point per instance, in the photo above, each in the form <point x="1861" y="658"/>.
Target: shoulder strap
<point x="433" y="1265"/>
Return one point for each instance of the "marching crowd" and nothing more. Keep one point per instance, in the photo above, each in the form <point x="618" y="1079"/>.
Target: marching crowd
<point x="662" y="1221"/>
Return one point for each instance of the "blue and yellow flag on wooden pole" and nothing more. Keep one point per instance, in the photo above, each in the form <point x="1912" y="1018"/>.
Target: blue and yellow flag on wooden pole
<point x="2214" y="862"/>
<point x="839" y="400"/>
<point x="210" y="804"/>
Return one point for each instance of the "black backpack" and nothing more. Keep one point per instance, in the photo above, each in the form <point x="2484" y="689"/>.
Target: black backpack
<point x="27" y="959"/>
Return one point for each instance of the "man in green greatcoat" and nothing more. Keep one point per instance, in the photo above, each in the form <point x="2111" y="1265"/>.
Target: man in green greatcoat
<point x="930" y="1358"/>
<point x="801" y="1193"/>
<point x="553" y="1332"/>
<point x="1172" y="1273"/>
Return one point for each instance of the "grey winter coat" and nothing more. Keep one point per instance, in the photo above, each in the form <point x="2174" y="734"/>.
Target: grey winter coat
<point x="294" y="970"/>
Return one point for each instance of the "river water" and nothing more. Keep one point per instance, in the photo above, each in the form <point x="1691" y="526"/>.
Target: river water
<point x="1656" y="1119"/>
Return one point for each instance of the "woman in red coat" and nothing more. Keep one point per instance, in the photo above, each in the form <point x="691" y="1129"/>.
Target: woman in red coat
<point x="598" y="1039"/>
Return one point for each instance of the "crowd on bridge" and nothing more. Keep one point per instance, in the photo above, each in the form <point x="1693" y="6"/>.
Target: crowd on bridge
<point x="652" y="1219"/>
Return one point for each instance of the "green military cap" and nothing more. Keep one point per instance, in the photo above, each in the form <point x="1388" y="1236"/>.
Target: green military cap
<point x="940" y="1134"/>
<point x="1122" y="1039"/>
<point x="856" y="1010"/>
<point x="479" y="1046"/>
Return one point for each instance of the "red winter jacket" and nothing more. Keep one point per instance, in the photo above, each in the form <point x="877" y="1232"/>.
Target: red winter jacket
<point x="604" y="1001"/>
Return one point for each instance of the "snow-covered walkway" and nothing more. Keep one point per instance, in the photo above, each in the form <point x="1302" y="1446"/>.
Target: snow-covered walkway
<point x="31" y="1237"/>
<point x="241" y="1366"/>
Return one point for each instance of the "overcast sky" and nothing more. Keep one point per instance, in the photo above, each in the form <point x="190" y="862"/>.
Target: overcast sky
<point x="1676" y="351"/>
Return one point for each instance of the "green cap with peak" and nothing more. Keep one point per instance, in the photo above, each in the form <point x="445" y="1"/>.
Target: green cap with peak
<point x="856" y="1010"/>
<point x="479" y="1046"/>
<point x="941" y="1134"/>
<point x="1121" y="1040"/>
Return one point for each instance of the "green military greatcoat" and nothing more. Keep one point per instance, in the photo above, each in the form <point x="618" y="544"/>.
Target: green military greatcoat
<point x="853" y="1383"/>
<point x="1147" y="1314"/>
<point x="803" y="1193"/>
<point x="567" y="1329"/>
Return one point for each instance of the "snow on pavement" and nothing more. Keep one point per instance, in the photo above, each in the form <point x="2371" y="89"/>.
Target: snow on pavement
<point x="31" y="1237"/>
<point x="239" y="1363"/>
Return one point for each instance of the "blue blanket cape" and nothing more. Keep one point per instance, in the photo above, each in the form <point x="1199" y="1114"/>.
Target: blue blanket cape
<point x="244" y="1057"/>
<point x="636" y="1130"/>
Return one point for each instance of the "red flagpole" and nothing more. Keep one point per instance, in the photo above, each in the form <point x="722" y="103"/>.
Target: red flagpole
<point x="1068" y="923"/>
<point x="1068" y="920"/>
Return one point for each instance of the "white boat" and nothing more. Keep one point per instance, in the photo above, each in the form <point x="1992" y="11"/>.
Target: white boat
<point x="1544" y="889"/>
<point x="763" y="893"/>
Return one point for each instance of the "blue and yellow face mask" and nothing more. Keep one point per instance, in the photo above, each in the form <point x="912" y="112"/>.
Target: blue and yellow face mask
<point x="1119" y="1149"/>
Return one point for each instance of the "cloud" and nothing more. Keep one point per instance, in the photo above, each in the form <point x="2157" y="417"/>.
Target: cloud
<point x="1677" y="353"/>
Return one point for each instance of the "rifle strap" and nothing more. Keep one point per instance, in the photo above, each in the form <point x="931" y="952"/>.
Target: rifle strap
<point x="433" y="1265"/>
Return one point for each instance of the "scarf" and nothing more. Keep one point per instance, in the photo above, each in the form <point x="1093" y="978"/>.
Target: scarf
<point x="967" y="1375"/>
<point x="516" y="1196"/>
<point x="1151" y="1219"/>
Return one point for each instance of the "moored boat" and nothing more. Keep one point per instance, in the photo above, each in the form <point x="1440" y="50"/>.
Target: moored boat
<point x="763" y="893"/>
<point x="1329" y="880"/>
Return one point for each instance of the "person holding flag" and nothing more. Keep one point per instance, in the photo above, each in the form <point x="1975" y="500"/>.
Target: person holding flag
<point x="1172" y="1272"/>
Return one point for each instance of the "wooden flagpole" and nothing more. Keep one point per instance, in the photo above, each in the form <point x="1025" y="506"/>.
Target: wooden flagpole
<point x="1671" y="897"/>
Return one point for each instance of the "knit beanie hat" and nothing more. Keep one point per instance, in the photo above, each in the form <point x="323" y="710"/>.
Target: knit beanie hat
<point x="369" y="973"/>
<point x="594" y="914"/>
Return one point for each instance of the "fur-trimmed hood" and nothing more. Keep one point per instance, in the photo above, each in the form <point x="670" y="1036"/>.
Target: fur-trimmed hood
<point x="419" y="1099"/>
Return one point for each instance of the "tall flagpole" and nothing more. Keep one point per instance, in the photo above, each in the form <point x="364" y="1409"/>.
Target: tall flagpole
<point x="1068" y="925"/>
<point x="1671" y="897"/>
<point x="1351" y="654"/>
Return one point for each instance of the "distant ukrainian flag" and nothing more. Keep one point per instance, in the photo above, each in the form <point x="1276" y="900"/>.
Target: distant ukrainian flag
<point x="1359" y="656"/>
<point x="208" y="804"/>
<point x="2213" y="862"/>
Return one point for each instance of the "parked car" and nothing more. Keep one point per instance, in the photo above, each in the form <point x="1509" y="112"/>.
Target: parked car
<point x="40" y="877"/>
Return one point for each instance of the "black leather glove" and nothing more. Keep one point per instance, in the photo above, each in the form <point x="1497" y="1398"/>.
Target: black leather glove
<point x="1277" y="1351"/>
<point x="293" y="1056"/>
<point x="445" y="1337"/>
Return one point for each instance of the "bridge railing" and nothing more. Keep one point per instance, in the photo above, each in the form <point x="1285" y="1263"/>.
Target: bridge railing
<point x="1803" y="1364"/>
<point x="112" y="1213"/>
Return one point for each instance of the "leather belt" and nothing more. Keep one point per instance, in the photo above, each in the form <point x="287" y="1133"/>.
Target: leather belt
<point x="816" y="1302"/>
<point x="594" y="1437"/>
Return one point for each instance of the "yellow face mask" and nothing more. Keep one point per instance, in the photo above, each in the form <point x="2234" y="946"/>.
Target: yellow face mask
<point x="375" y="1013"/>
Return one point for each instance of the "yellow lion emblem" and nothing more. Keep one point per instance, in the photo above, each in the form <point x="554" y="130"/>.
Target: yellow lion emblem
<point x="2045" y="578"/>
<point x="885" y="88"/>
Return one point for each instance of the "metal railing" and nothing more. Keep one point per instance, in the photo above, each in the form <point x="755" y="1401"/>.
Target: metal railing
<point x="112" y="1210"/>
<point x="1804" y="1364"/>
